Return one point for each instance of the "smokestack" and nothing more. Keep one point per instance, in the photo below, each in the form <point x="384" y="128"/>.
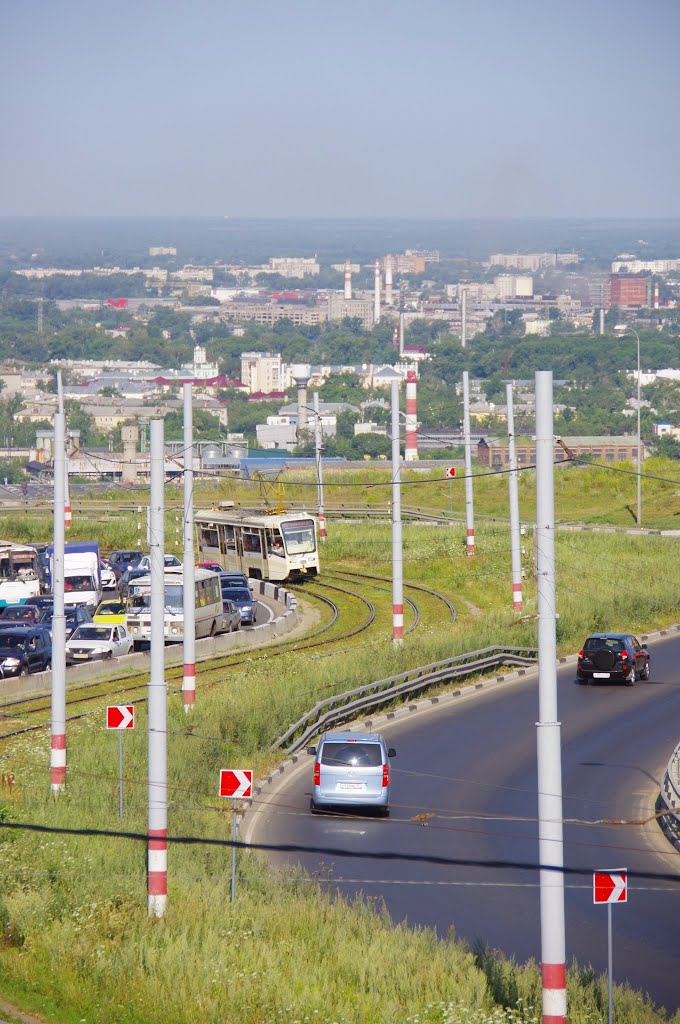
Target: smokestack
<point x="301" y="375"/>
<point x="601" y="322"/>
<point x="655" y="303"/>
<point x="348" y="280"/>
<point x="376" y="305"/>
<point x="388" y="282"/>
<point x="401" y="332"/>
<point x="411" y="443"/>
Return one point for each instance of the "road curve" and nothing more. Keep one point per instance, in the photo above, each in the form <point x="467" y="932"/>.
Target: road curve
<point x="471" y="765"/>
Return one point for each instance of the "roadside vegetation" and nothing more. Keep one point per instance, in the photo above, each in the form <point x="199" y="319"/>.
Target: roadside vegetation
<point x="75" y="941"/>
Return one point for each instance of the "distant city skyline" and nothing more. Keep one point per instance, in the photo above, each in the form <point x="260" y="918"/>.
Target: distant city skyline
<point x="350" y="110"/>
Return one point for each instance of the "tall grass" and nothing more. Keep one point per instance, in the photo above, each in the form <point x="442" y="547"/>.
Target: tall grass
<point x="75" y="940"/>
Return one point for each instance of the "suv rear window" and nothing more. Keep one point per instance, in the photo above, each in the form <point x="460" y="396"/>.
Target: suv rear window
<point x="595" y="643"/>
<point x="358" y="755"/>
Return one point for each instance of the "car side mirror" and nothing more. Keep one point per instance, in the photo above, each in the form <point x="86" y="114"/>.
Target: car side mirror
<point x="391" y="752"/>
<point x="643" y="646"/>
<point x="311" y="750"/>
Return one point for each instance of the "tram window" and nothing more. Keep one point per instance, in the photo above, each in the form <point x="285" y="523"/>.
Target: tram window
<point x="299" y="536"/>
<point x="274" y="542"/>
<point x="251" y="541"/>
<point x="227" y="542"/>
<point x="208" y="536"/>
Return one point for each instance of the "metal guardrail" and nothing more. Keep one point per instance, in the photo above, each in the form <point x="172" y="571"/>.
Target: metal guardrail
<point x="668" y="802"/>
<point x="336" y="709"/>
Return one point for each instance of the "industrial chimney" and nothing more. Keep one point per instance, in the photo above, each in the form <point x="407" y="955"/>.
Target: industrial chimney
<point x="411" y="440"/>
<point x="301" y="374"/>
<point x="348" y="280"/>
<point x="376" y="304"/>
<point x="388" y="282"/>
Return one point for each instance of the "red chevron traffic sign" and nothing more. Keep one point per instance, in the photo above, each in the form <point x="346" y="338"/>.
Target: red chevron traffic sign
<point x="451" y="471"/>
<point x="120" y="716"/>
<point x="236" y="782"/>
<point x="610" y="886"/>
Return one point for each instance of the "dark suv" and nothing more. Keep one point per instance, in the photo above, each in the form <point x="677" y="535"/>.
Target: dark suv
<point x="122" y="560"/>
<point x="25" y="649"/>
<point x="614" y="656"/>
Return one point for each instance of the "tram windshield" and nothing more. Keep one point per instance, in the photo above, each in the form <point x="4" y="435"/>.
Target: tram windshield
<point x="299" y="536"/>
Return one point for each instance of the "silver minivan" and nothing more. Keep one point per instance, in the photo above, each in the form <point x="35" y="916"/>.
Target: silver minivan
<point x="351" y="769"/>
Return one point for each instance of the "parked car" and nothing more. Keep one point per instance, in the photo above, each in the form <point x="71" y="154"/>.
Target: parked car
<point x="125" y="580"/>
<point x="351" y="770"/>
<point x="213" y="566"/>
<point x="20" y="613"/>
<point x="613" y="656"/>
<point x="231" y="615"/>
<point x="108" y="575"/>
<point x="96" y="642"/>
<point x="110" y="613"/>
<point x="25" y="648"/>
<point x="169" y="561"/>
<point x="120" y="560"/>
<point x="244" y="601"/>
<point x="74" y="615"/>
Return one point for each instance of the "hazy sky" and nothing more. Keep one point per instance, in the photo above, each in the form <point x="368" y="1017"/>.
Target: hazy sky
<point x="360" y="108"/>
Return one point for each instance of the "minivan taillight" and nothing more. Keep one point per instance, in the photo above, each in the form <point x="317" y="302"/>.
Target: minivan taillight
<point x="317" y="774"/>
<point x="386" y="775"/>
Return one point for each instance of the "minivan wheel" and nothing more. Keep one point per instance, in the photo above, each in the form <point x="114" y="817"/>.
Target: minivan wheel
<point x="23" y="671"/>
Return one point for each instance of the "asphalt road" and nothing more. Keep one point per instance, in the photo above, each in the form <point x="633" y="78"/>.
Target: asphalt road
<point x="472" y="766"/>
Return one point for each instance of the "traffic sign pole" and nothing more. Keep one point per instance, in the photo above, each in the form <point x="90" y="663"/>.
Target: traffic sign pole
<point x="610" y="970"/>
<point x="610" y="887"/>
<point x="120" y="773"/>
<point x="233" y="851"/>
<point x="236" y="783"/>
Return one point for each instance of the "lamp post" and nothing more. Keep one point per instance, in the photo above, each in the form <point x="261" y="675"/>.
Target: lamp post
<point x="621" y="330"/>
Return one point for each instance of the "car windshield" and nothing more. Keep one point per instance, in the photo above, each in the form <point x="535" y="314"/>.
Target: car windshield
<point x="92" y="633"/>
<point x="596" y="643"/>
<point x="240" y="594"/>
<point x="19" y="613"/>
<point x="357" y="755"/>
<point x="14" y="643"/>
<point x="79" y="583"/>
<point x="112" y="608"/>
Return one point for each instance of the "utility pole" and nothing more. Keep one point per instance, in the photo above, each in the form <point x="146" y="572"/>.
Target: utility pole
<point x="188" y="574"/>
<point x="513" y="491"/>
<point x="469" y="497"/>
<point x="157" y="881"/>
<point x="319" y="473"/>
<point x="58" y="708"/>
<point x="397" y="546"/>
<point x="551" y="847"/>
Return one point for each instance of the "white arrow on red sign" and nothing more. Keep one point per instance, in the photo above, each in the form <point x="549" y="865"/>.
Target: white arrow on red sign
<point x="236" y="782"/>
<point x="120" y="716"/>
<point x="610" y="886"/>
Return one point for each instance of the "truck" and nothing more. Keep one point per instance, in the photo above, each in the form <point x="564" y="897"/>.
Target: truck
<point x="82" y="573"/>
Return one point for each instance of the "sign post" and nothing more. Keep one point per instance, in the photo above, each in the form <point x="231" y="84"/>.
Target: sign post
<point x="120" y="717"/>
<point x="236" y="783"/>
<point x="450" y="473"/>
<point x="610" y="887"/>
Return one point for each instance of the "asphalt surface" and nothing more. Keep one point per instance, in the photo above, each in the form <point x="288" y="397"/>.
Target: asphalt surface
<point x="471" y="765"/>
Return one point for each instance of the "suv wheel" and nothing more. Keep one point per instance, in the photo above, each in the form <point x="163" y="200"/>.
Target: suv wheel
<point x="630" y="678"/>
<point x="645" y="672"/>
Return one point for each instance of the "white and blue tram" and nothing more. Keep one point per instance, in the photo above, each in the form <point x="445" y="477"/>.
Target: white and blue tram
<point x="264" y="546"/>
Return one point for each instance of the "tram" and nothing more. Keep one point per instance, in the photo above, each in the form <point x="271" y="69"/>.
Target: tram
<point x="276" y="547"/>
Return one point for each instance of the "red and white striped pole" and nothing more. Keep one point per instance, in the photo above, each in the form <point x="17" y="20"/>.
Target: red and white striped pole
<point x="397" y="546"/>
<point x="58" y="709"/>
<point x="157" y="875"/>
<point x="318" y="445"/>
<point x="348" y="279"/>
<point x="411" y="438"/>
<point x="188" y="575"/>
<point x="68" y="518"/>
<point x="469" y="497"/>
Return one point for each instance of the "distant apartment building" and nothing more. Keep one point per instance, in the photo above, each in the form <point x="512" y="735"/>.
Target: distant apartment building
<point x="475" y="291"/>
<point x="262" y="372"/>
<point x="629" y="290"/>
<point x="189" y="272"/>
<point x="598" y="291"/>
<point x="162" y="250"/>
<point x="293" y="266"/>
<point x="533" y="260"/>
<point x="361" y="309"/>
<point x="628" y="266"/>
<point x="513" y="286"/>
<point x="272" y="313"/>
<point x="409" y="262"/>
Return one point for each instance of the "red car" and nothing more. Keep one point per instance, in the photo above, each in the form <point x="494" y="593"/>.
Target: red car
<point x="212" y="566"/>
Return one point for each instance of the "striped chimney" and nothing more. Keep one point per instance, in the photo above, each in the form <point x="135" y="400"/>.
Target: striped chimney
<point x="388" y="282"/>
<point x="376" y="299"/>
<point x="348" y="280"/>
<point x="411" y="445"/>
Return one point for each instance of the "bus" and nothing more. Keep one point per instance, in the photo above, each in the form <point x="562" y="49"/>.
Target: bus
<point x="19" y="573"/>
<point x="207" y="604"/>
<point x="264" y="546"/>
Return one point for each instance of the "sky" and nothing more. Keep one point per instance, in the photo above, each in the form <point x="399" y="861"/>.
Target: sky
<point x="319" y="108"/>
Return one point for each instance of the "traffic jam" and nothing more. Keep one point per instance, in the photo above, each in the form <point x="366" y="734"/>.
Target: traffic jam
<point x="106" y="604"/>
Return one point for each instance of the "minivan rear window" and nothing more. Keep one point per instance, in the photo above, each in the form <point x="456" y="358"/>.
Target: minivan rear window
<point x="356" y="755"/>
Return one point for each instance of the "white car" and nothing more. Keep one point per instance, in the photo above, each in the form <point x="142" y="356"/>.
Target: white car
<point x="108" y="576"/>
<point x="169" y="561"/>
<point x="96" y="642"/>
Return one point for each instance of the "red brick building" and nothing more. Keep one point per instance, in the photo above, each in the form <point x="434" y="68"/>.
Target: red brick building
<point x="628" y="290"/>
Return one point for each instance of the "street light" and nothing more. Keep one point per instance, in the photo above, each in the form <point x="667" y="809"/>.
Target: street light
<point x="621" y="330"/>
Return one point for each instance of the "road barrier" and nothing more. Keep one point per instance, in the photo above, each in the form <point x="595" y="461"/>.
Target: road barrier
<point x="334" y="710"/>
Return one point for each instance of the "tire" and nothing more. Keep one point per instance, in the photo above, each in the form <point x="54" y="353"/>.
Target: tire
<point x="629" y="680"/>
<point x="108" y="656"/>
<point x="384" y="812"/>
<point x="313" y="808"/>
<point x="23" y="671"/>
<point x="646" y="672"/>
<point x="580" y="680"/>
